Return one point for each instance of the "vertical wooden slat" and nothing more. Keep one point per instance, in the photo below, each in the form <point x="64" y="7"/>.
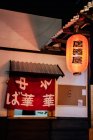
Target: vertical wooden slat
<point x="10" y="113"/>
<point x="91" y="134"/>
<point x="56" y="96"/>
<point x="52" y="113"/>
<point x="92" y="105"/>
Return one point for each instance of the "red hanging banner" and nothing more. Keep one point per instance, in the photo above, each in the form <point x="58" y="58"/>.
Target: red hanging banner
<point x="30" y="93"/>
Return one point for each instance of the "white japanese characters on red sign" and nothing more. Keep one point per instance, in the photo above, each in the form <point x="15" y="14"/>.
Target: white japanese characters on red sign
<point x="30" y="93"/>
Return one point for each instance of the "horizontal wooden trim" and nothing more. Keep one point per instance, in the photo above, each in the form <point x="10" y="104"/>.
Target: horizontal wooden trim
<point x="26" y="118"/>
<point x="10" y="115"/>
<point x="59" y="40"/>
<point x="31" y="51"/>
<point x="17" y="49"/>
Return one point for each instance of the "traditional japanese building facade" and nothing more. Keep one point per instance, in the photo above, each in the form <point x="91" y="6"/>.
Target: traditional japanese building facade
<point x="69" y="119"/>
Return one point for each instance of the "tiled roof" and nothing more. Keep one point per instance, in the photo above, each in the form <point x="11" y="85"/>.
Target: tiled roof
<point x="36" y="69"/>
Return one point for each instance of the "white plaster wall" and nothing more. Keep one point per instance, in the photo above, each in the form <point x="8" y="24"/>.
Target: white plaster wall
<point x="65" y="111"/>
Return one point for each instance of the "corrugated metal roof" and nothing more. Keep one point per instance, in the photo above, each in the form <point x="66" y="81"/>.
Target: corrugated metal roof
<point x="17" y="67"/>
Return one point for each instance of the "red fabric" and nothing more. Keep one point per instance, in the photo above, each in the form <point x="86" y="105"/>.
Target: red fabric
<point x="30" y="93"/>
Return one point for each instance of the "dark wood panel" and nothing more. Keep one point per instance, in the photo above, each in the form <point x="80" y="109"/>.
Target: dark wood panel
<point x="70" y="123"/>
<point x="28" y="124"/>
<point x="3" y="128"/>
<point x="24" y="135"/>
<point x="69" y="135"/>
<point x="44" y="129"/>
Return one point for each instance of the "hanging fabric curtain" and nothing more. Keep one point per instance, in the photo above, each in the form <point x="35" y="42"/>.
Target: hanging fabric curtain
<point x="30" y="93"/>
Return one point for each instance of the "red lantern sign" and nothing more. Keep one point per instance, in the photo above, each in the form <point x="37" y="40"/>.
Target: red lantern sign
<point x="77" y="53"/>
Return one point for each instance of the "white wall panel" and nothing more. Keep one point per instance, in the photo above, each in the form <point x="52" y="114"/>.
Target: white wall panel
<point x="6" y="56"/>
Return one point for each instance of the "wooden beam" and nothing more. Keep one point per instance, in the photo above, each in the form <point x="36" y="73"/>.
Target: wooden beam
<point x="55" y="48"/>
<point x="59" y="40"/>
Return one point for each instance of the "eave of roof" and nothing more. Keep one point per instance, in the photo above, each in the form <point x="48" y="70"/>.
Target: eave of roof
<point x="35" y="69"/>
